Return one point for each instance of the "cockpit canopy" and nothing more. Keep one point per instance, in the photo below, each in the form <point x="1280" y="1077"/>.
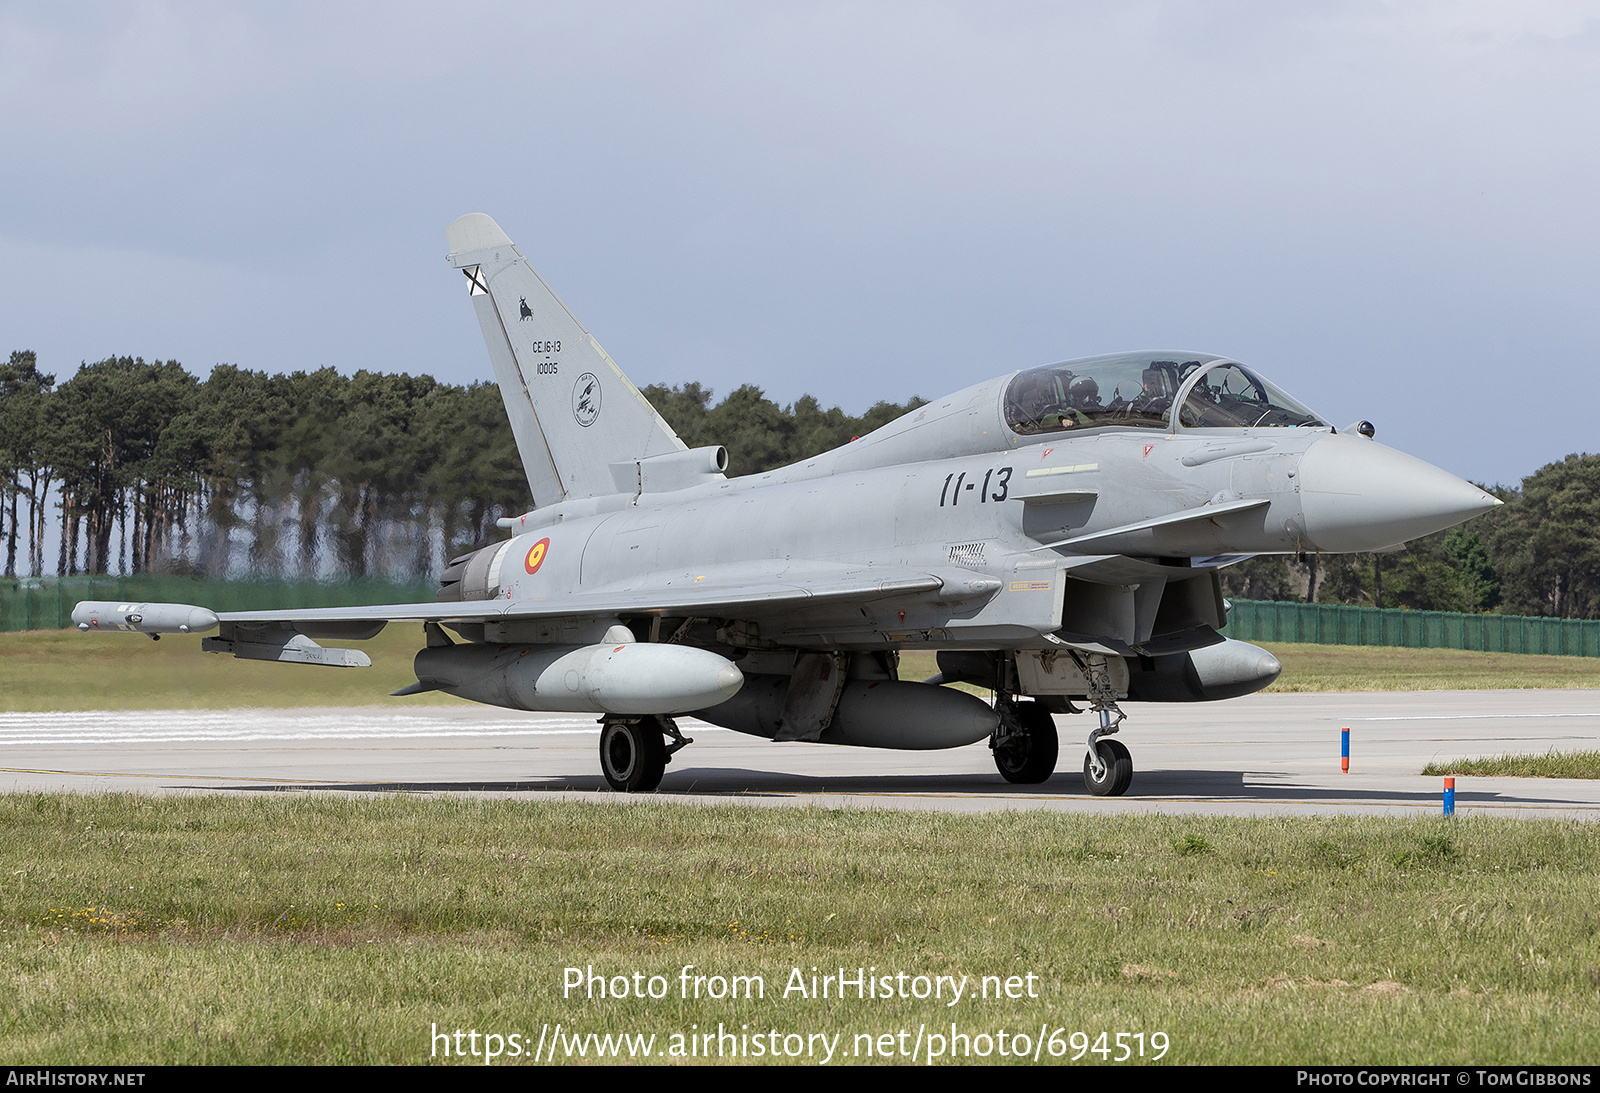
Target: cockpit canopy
<point x="1139" y="390"/>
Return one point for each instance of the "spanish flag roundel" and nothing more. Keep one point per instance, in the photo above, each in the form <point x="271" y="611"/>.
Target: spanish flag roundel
<point x="535" y="557"/>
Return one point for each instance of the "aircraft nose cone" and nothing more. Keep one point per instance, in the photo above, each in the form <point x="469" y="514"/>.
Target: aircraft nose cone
<point x="1356" y="494"/>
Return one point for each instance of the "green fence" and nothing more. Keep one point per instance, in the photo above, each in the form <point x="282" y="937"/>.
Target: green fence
<point x="47" y="605"/>
<point x="1331" y="624"/>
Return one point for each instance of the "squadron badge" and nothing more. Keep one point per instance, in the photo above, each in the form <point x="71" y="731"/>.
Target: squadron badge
<point x="586" y="399"/>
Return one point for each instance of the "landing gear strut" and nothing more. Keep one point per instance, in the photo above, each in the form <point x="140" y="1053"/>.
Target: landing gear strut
<point x="633" y="753"/>
<point x="1107" y="766"/>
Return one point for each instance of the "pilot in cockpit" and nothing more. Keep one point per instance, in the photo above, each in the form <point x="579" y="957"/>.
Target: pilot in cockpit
<point x="1084" y="394"/>
<point x="1083" y="399"/>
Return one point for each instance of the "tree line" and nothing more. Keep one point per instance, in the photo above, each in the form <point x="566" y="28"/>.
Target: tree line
<point x="131" y="466"/>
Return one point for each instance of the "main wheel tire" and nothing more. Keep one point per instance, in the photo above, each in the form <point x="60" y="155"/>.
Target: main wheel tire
<point x="1030" y="758"/>
<point x="1119" y="770"/>
<point x="633" y="756"/>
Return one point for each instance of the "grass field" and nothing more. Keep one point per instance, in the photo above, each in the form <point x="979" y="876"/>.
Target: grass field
<point x="66" y="670"/>
<point x="1552" y="764"/>
<point x="1373" y="668"/>
<point x="320" y="930"/>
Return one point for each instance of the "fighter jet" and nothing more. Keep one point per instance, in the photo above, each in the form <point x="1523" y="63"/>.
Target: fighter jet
<point x="1055" y="535"/>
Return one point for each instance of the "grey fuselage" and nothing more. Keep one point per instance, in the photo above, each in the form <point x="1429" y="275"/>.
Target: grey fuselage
<point x="947" y="489"/>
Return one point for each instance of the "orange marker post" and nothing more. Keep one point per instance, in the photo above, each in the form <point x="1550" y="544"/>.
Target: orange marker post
<point x="1344" y="750"/>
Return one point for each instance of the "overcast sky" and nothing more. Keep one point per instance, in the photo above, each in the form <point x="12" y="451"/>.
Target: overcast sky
<point x="1390" y="209"/>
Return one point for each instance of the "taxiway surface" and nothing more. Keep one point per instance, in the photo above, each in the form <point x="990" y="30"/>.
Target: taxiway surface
<point x="1274" y="754"/>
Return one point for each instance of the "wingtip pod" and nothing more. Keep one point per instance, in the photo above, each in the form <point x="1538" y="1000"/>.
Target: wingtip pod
<point x="474" y="231"/>
<point x="143" y="618"/>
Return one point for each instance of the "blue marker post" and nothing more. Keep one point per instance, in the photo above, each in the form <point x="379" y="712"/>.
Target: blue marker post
<point x="1344" y="750"/>
<point x="1449" y="796"/>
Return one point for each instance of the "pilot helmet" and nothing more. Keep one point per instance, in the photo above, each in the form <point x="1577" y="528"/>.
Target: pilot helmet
<point x="1084" y="391"/>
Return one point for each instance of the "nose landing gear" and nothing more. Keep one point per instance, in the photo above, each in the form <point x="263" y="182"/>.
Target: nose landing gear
<point x="1107" y="769"/>
<point x="1107" y="766"/>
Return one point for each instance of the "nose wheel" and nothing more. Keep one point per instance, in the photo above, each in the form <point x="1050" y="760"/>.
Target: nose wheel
<point x="1112" y="775"/>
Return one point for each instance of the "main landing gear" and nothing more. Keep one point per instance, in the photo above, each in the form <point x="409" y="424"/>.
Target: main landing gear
<point x="633" y="752"/>
<point x="1026" y="746"/>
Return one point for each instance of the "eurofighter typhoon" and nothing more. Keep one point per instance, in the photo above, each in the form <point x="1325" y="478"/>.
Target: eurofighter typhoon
<point x="1054" y="534"/>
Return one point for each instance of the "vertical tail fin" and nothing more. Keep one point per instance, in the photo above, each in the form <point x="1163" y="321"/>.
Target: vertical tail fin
<point x="572" y="411"/>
